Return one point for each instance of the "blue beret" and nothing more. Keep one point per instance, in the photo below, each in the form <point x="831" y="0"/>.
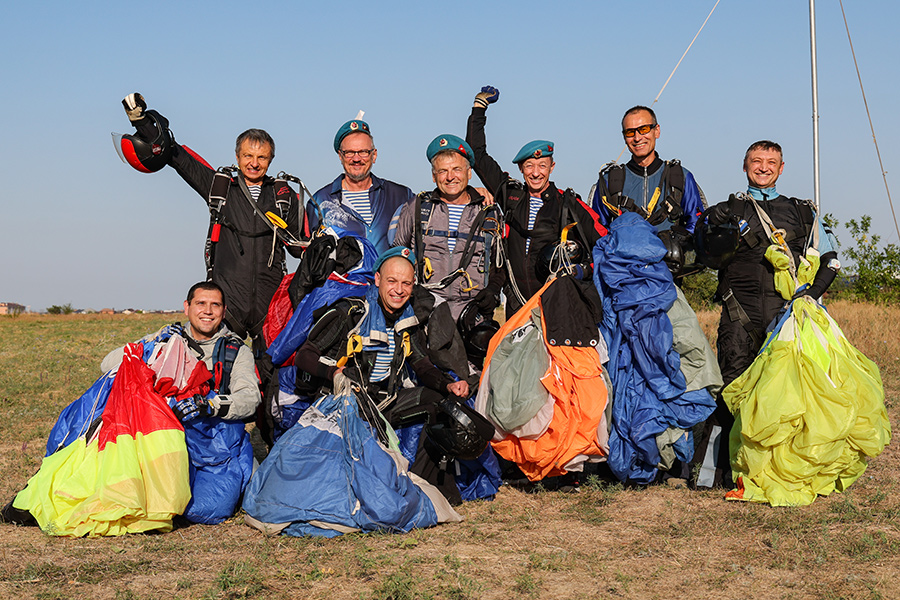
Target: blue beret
<point x="535" y="149"/>
<point x="396" y="251"/>
<point x="354" y="126"/>
<point x="448" y="141"/>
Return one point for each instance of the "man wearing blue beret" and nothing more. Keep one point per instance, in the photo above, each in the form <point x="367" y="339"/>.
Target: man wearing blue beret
<point x="357" y="201"/>
<point x="663" y="192"/>
<point x="536" y="211"/>
<point x="454" y="231"/>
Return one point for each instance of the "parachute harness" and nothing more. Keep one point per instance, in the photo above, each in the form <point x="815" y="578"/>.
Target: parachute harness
<point x="777" y="236"/>
<point x="217" y="197"/>
<point x="489" y="226"/>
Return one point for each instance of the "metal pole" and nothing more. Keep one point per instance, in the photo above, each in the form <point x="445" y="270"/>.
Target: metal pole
<point x="815" y="101"/>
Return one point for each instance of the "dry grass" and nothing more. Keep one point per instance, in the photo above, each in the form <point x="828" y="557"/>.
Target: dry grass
<point x="604" y="542"/>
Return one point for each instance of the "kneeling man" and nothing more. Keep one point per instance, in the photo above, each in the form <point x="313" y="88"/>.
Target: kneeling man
<point x="377" y="342"/>
<point x="119" y="461"/>
<point x="205" y="332"/>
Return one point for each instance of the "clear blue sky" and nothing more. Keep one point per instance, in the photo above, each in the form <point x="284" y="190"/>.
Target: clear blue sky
<point x="79" y="226"/>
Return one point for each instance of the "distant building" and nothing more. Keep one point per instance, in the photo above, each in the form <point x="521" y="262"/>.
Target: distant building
<point x="11" y="308"/>
<point x="107" y="311"/>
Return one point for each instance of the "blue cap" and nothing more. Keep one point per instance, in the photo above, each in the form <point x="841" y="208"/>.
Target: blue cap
<point x="354" y="126"/>
<point x="395" y="251"/>
<point x="535" y="149"/>
<point x="448" y="141"/>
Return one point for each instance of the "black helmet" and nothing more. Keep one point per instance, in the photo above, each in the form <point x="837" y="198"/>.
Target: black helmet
<point x="550" y="259"/>
<point x="716" y="245"/>
<point x="146" y="156"/>
<point x="460" y="432"/>
<point x="674" y="257"/>
<point x="476" y="331"/>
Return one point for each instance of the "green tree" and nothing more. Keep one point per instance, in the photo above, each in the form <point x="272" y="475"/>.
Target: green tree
<point x="876" y="271"/>
<point x="65" y="309"/>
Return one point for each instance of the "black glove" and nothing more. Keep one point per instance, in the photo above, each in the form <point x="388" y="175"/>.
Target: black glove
<point x="487" y="95"/>
<point x="828" y="270"/>
<point x="719" y="214"/>
<point x="488" y="300"/>
<point x="194" y="407"/>
<point x="134" y="107"/>
<point x="351" y="371"/>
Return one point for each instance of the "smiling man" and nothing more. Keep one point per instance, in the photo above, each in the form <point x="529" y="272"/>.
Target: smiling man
<point x="732" y="238"/>
<point x="357" y="201"/>
<point x="663" y="192"/>
<point x="241" y="255"/>
<point x="385" y="341"/>
<point x="454" y="231"/>
<point x="535" y="210"/>
<point x="205" y="332"/>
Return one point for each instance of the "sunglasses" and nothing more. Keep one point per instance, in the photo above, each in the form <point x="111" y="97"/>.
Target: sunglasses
<point x="643" y="130"/>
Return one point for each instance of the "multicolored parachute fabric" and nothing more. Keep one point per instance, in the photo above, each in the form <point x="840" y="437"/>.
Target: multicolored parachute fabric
<point x="550" y="437"/>
<point x="127" y="473"/>
<point x="809" y="412"/>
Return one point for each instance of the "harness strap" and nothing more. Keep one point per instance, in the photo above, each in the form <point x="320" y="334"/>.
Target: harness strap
<point x="754" y="239"/>
<point x="302" y="198"/>
<point x="424" y="211"/>
<point x="218" y="191"/>
<point x="216" y="199"/>
<point x="568" y="217"/>
<point x="418" y="240"/>
<point x="736" y="312"/>
<point x="467" y="254"/>
<point x="401" y="352"/>
<point x="354" y="346"/>
<point x="283" y="196"/>
<point x="670" y="189"/>
<point x="777" y="236"/>
<point x="453" y="234"/>
<point x="224" y="354"/>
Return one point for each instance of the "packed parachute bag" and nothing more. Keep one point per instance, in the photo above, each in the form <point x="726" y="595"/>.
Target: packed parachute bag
<point x="117" y="461"/>
<point x="335" y="265"/>
<point x="543" y="387"/>
<point x="664" y="373"/>
<point x="333" y="473"/>
<point x="809" y="412"/>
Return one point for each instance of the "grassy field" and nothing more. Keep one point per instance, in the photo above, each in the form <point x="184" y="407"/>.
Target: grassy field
<point x="604" y="542"/>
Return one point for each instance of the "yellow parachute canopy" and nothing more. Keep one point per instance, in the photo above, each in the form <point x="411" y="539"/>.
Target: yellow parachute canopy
<point x="809" y="411"/>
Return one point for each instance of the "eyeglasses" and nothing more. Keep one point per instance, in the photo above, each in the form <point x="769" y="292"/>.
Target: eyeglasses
<point x="359" y="153"/>
<point x="643" y="130"/>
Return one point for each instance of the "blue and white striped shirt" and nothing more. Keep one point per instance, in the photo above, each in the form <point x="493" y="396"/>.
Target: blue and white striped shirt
<point x="454" y="216"/>
<point x="383" y="356"/>
<point x="359" y="201"/>
<point x="535" y="204"/>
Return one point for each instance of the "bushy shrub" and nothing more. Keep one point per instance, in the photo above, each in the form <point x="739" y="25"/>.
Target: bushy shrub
<point x="875" y="274"/>
<point x="65" y="309"/>
<point x="700" y="288"/>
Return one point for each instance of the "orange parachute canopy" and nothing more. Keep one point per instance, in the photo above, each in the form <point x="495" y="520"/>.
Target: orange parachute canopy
<point x="575" y="381"/>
